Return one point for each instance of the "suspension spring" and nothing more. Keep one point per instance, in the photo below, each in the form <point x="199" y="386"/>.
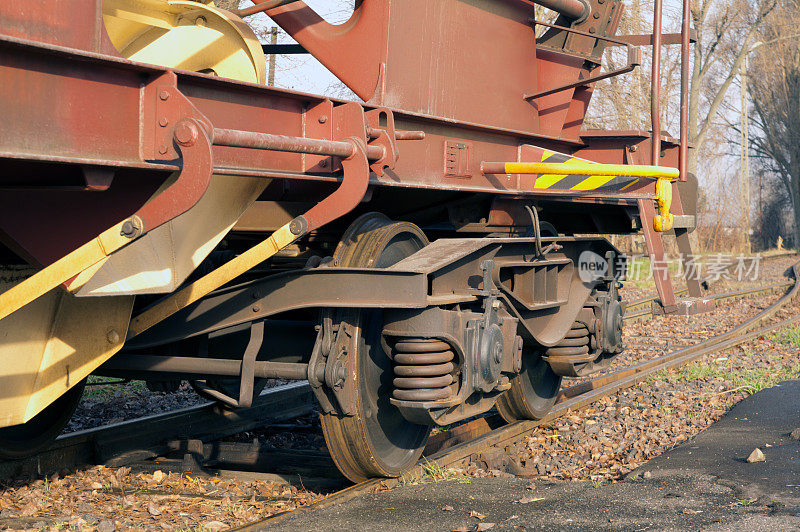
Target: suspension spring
<point x="574" y="348"/>
<point x="424" y="369"/>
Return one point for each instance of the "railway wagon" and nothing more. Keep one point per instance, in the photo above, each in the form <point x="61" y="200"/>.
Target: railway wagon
<point x="420" y="256"/>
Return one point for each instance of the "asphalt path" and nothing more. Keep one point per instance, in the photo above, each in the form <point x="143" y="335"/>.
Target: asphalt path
<point x="703" y="484"/>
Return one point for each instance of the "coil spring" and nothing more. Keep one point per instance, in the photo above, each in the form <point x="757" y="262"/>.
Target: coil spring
<point x="574" y="347"/>
<point x="424" y="370"/>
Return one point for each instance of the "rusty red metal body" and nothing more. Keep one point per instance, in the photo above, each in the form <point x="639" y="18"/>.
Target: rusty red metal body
<point x="81" y="146"/>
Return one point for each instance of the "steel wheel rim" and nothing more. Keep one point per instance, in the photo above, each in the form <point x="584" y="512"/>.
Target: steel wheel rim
<point x="391" y="443"/>
<point x="533" y="392"/>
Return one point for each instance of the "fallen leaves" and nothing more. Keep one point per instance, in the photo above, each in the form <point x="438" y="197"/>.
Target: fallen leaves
<point x="622" y="432"/>
<point x="476" y="515"/>
<point x="106" y="499"/>
<point x="528" y="500"/>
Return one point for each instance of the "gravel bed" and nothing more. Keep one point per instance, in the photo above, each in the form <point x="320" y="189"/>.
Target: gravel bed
<point x="104" y="404"/>
<point x="304" y="432"/>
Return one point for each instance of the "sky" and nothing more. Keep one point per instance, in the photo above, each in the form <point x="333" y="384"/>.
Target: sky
<point x="303" y="72"/>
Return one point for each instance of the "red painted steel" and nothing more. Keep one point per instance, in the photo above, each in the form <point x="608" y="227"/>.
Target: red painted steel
<point x="444" y="83"/>
<point x="686" y="15"/>
<point x="574" y="9"/>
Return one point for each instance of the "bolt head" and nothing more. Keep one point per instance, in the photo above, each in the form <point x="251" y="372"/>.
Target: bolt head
<point x="163" y="121"/>
<point x="186" y="133"/>
<point x="131" y="227"/>
<point x="322" y="119"/>
<point x="112" y="336"/>
<point x="256" y="308"/>
<point x="162" y="149"/>
<point x="127" y="228"/>
<point x="164" y="95"/>
<point x="296" y="227"/>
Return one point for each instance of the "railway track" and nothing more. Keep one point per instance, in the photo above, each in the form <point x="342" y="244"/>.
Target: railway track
<point x="147" y="437"/>
<point x="481" y="434"/>
<point x="142" y="439"/>
<point x="646" y="301"/>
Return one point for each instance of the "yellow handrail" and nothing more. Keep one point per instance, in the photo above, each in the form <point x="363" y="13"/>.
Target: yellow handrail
<point x="662" y="174"/>
<point x="629" y="170"/>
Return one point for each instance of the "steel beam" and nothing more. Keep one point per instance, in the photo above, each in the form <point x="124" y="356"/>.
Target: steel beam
<point x="201" y="367"/>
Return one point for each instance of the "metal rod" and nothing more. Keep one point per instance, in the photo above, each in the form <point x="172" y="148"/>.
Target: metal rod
<point x="655" y="84"/>
<point x="634" y="60"/>
<point x="612" y="40"/>
<point x="647" y="39"/>
<point x="268" y="141"/>
<point x="574" y="9"/>
<point x="399" y="134"/>
<point x="685" y="40"/>
<point x="204" y="366"/>
<point x="258" y="8"/>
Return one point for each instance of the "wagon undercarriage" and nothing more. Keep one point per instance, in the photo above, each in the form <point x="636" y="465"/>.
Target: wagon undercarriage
<point x="414" y="257"/>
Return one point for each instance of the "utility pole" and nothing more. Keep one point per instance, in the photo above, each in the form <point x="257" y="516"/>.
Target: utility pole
<point x="744" y="158"/>
<point x="745" y="140"/>
<point x="273" y="39"/>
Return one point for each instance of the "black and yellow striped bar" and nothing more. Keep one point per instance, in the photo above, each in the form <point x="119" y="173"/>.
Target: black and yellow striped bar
<point x="575" y="168"/>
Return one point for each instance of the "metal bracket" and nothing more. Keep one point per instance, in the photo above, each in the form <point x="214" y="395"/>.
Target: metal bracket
<point x="164" y="106"/>
<point x="329" y="372"/>
<point x="634" y="60"/>
<point x="73" y="270"/>
<point x="318" y="360"/>
<point x="350" y="126"/>
<point x="247" y="375"/>
<point x="385" y="137"/>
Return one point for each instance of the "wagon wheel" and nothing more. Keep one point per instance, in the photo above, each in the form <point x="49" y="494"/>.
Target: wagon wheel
<point x="377" y="440"/>
<point x="533" y="392"/>
<point x="20" y="441"/>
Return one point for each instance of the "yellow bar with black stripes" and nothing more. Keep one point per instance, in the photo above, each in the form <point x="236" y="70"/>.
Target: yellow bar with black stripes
<point x="628" y="170"/>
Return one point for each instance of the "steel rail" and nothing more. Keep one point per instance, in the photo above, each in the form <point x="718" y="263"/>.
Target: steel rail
<point x="717" y="297"/>
<point x="649" y="299"/>
<point x="570" y="399"/>
<point x="151" y="436"/>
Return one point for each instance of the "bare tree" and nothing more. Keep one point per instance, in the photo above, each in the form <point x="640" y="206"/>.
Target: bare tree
<point x="726" y="30"/>
<point x="230" y="5"/>
<point x="774" y="86"/>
